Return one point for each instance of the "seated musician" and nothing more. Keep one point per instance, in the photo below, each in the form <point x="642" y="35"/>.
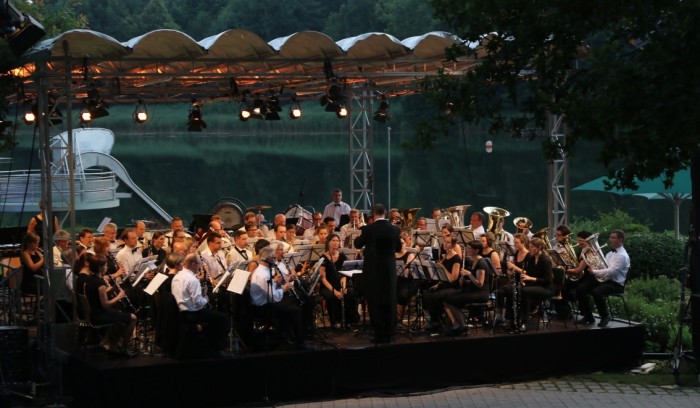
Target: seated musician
<point x="476" y="224"/>
<point x="353" y="225"/>
<point x="334" y="287"/>
<point x="214" y="259"/>
<point x="488" y="252"/>
<point x="140" y="229"/>
<point x="423" y="241"/>
<point x="436" y="294"/>
<point x="330" y="224"/>
<point x="252" y="230"/>
<point x="321" y="234"/>
<point x="270" y="296"/>
<point x="239" y="251"/>
<point x="187" y="290"/>
<point x="406" y="287"/>
<point x="110" y="232"/>
<point x="474" y="288"/>
<point x="448" y="232"/>
<point x="86" y="239"/>
<point x="129" y="256"/>
<point x="573" y="275"/>
<point x="290" y="236"/>
<point x="102" y="306"/>
<point x="175" y="225"/>
<point x="316" y="219"/>
<point x="603" y="282"/>
<point x="259" y="245"/>
<point x="538" y="280"/>
<point x="504" y="290"/>
<point x="280" y="233"/>
<point x="156" y="248"/>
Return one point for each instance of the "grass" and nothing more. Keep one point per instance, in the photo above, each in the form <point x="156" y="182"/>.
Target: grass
<point x="661" y="375"/>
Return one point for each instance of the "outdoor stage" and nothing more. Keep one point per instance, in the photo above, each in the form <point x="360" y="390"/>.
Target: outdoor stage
<point x="347" y="364"/>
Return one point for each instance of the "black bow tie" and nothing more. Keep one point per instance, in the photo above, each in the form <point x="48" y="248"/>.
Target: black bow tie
<point x="613" y="250"/>
<point x="337" y="205"/>
<point x="141" y="239"/>
<point x="133" y="251"/>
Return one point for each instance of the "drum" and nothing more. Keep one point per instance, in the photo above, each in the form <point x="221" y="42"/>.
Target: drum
<point x="231" y="215"/>
<point x="302" y="218"/>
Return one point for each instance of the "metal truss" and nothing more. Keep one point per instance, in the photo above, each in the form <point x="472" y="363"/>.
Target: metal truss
<point x="361" y="150"/>
<point x="558" y="195"/>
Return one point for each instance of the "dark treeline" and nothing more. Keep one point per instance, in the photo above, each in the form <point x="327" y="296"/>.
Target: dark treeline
<point x="270" y="19"/>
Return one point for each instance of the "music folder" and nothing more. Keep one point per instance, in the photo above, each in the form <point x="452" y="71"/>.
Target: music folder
<point x="222" y="279"/>
<point x="351" y="268"/>
<point x="421" y="268"/>
<point x="155" y="283"/>
<point x="238" y="281"/>
<point x="143" y="266"/>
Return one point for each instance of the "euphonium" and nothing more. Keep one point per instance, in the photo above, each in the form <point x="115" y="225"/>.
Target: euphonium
<point x="456" y="214"/>
<point x="409" y="217"/>
<point x="593" y="255"/>
<point x="495" y="214"/>
<point x="521" y="223"/>
<point x="543" y="234"/>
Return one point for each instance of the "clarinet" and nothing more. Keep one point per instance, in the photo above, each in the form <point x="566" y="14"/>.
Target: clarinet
<point x="125" y="301"/>
<point x="342" y="304"/>
<point x="273" y="264"/>
<point x="205" y="277"/>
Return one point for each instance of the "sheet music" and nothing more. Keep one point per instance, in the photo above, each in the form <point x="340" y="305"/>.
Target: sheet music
<point x="155" y="283"/>
<point x="221" y="281"/>
<point x="239" y="281"/>
<point x="350" y="273"/>
<point x="144" y="267"/>
<point x="105" y="221"/>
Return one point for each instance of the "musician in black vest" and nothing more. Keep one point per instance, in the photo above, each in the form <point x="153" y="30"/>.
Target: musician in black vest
<point x="381" y="241"/>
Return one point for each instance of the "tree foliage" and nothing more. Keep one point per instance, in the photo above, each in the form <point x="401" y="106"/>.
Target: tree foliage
<point x="621" y="73"/>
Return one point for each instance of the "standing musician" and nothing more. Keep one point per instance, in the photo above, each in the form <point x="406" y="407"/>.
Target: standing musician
<point x="381" y="241"/>
<point x="336" y="208"/>
<point x="192" y="304"/>
<point x="239" y="251"/>
<point x="516" y="266"/>
<point x="334" y="286"/>
<point x="157" y="248"/>
<point x="32" y="260"/>
<point x="406" y="287"/>
<point x="434" y="297"/>
<point x="269" y="294"/>
<point x="603" y="282"/>
<point x="474" y="288"/>
<point x="102" y="307"/>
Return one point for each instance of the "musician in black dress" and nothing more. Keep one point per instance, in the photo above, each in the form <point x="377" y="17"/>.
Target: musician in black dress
<point x="102" y="306"/>
<point x="334" y="286"/>
<point x="436" y="294"/>
<point x="538" y="281"/>
<point x="156" y="248"/>
<point x="36" y="223"/>
<point x="381" y="241"/>
<point x="488" y="252"/>
<point x="406" y="286"/>
<point x="474" y="287"/>
<point x="505" y="283"/>
<point x="32" y="263"/>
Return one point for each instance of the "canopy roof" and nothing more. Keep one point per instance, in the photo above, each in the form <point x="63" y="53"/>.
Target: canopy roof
<point x="168" y="65"/>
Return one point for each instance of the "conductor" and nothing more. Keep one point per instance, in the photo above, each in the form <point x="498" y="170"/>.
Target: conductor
<point x="381" y="241"/>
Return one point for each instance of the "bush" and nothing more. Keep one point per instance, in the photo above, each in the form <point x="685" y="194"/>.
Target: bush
<point x="607" y="222"/>
<point x="655" y="303"/>
<point x="654" y="254"/>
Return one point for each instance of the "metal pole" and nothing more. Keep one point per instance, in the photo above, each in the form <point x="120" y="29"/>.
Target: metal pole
<point x="388" y="172"/>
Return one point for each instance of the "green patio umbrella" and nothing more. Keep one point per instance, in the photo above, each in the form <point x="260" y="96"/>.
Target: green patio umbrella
<point x="652" y="189"/>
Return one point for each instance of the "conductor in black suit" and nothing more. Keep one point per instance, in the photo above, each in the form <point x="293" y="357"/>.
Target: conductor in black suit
<point x="381" y="241"/>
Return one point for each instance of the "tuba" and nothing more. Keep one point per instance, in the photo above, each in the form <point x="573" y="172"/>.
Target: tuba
<point x="409" y="217"/>
<point x="593" y="255"/>
<point x="521" y="223"/>
<point x="543" y="234"/>
<point x="495" y="215"/>
<point x="456" y="213"/>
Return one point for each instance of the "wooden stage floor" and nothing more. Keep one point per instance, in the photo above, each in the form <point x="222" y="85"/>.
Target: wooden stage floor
<point x="348" y="364"/>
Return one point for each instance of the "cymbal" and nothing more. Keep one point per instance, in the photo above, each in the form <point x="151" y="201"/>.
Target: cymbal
<point x="258" y="208"/>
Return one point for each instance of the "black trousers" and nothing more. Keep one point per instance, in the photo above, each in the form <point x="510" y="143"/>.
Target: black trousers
<point x="216" y="326"/>
<point x="589" y="285"/>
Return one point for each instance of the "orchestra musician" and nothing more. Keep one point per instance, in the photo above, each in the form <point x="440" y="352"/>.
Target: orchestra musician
<point x="504" y="291"/>
<point x="322" y="232"/>
<point x="474" y="288"/>
<point x="476" y="223"/>
<point x="488" y="252"/>
<point x="291" y="236"/>
<point x="603" y="282"/>
<point x="239" y="251"/>
<point x="110" y="232"/>
<point x="353" y="225"/>
<point x="279" y="219"/>
<point x="187" y="290"/>
<point x="280" y="232"/>
<point x="336" y="208"/>
<point x="140" y="229"/>
<point x="102" y="307"/>
<point x="36" y="223"/>
<point x="538" y="280"/>
<point x="334" y="286"/>
<point x="32" y="261"/>
<point x="447" y="232"/>
<point x="406" y="287"/>
<point x="86" y="239"/>
<point x="129" y="256"/>
<point x="214" y="257"/>
<point x="157" y="248"/>
<point x="259" y="245"/>
<point x="114" y="270"/>
<point x="61" y="241"/>
<point x="422" y="225"/>
<point x="269" y="294"/>
<point x="252" y="230"/>
<point x="330" y="224"/>
<point x="435" y="295"/>
<point x="316" y="220"/>
<point x="175" y="225"/>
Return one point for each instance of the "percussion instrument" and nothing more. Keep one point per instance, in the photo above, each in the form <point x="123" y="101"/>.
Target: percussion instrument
<point x="230" y="214"/>
<point x="258" y="208"/>
<point x="300" y="217"/>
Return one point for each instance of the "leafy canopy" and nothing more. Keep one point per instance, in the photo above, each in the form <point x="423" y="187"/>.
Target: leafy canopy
<point x="621" y="72"/>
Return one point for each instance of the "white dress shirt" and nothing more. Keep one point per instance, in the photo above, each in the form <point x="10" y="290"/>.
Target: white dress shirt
<point x="128" y="258"/>
<point x="187" y="291"/>
<point x="259" y="287"/>
<point x="216" y="263"/>
<point x="618" y="265"/>
<point x="335" y="211"/>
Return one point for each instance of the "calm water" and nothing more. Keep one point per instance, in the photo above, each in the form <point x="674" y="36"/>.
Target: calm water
<point x="190" y="173"/>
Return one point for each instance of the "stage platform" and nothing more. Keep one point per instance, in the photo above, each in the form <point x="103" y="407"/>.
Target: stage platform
<point x="348" y="364"/>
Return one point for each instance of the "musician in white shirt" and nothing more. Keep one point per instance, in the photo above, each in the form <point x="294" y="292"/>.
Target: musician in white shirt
<point x="477" y="224"/>
<point x="353" y="225"/>
<point x="129" y="256"/>
<point x="316" y="219"/>
<point x="280" y="232"/>
<point x="175" y="225"/>
<point x="337" y="207"/>
<point x="214" y="257"/>
<point x="239" y="251"/>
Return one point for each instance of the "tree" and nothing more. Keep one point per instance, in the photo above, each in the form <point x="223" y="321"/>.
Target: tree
<point x="406" y="18"/>
<point x="619" y="72"/>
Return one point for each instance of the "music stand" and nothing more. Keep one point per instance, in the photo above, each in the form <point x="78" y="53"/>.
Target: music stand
<point x="304" y="252"/>
<point x="464" y="236"/>
<point x="556" y="258"/>
<point x="350" y="254"/>
<point x="422" y="238"/>
<point x="317" y="252"/>
<point x="292" y="259"/>
<point x="352" y="235"/>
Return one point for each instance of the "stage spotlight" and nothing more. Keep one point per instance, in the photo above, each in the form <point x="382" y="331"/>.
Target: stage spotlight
<point x="141" y="112"/>
<point x="259" y="109"/>
<point x="382" y="113"/>
<point x="273" y="108"/>
<point x="29" y="114"/>
<point x="195" y="123"/>
<point x="295" y="109"/>
<point x="342" y="111"/>
<point x="20" y="30"/>
<point x="95" y="105"/>
<point x="85" y="115"/>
